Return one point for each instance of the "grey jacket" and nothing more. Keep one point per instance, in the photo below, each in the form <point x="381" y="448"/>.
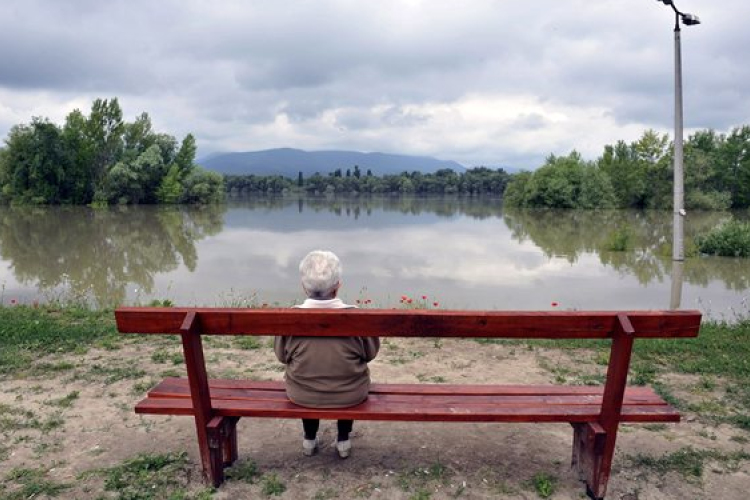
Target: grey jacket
<point x="326" y="372"/>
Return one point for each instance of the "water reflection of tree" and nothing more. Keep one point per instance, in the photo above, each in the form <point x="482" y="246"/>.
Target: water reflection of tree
<point x="571" y="233"/>
<point x="97" y="253"/>
<point x="478" y="207"/>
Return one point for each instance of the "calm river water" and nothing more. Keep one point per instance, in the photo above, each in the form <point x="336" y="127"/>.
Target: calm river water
<point x="461" y="253"/>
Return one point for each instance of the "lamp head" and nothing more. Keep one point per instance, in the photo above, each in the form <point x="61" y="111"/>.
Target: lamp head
<point x="690" y="19"/>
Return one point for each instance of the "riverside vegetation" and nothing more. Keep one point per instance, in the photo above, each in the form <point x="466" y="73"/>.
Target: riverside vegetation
<point x="639" y="175"/>
<point x="48" y="450"/>
<point x="100" y="159"/>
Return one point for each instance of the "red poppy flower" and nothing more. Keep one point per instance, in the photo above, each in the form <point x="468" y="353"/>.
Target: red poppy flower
<point x="555" y="304"/>
<point x="435" y="304"/>
<point x="12" y="301"/>
<point x="408" y="301"/>
<point x="424" y="297"/>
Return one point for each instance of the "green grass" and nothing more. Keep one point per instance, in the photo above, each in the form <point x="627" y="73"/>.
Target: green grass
<point x="689" y="462"/>
<point x="272" y="485"/>
<point x="26" y="333"/>
<point x="150" y="477"/>
<point x="418" y="479"/>
<point x="247" y="342"/>
<point x="163" y="356"/>
<point x="112" y="374"/>
<point x="544" y="484"/>
<point x="65" y="401"/>
<point x="245" y="471"/>
<point x="30" y="483"/>
<point x="15" y="418"/>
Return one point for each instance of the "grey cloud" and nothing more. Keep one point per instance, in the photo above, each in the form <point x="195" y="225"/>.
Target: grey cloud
<point x="236" y="64"/>
<point x="530" y="121"/>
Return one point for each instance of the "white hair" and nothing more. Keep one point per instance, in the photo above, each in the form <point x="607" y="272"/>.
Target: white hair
<point x="320" y="272"/>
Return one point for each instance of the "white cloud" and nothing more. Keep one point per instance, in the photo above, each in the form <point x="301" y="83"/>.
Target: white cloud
<point x="477" y="81"/>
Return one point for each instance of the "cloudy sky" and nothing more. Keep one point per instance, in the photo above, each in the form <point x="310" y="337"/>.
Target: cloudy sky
<point x="498" y="83"/>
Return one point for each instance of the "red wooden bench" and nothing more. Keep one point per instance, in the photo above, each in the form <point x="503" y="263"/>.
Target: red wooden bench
<point x="594" y="412"/>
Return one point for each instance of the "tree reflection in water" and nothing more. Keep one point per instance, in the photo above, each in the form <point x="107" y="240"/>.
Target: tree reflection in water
<point x="95" y="254"/>
<point x="401" y="244"/>
<point x="569" y="233"/>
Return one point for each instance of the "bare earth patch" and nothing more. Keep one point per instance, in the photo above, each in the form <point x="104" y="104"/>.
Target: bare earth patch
<point x="69" y="418"/>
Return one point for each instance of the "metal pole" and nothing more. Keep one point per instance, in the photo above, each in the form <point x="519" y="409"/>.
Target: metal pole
<point x="675" y="297"/>
<point x="678" y="243"/>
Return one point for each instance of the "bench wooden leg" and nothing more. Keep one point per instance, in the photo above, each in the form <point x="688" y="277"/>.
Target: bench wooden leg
<point x="222" y="443"/>
<point x="590" y="457"/>
<point x="229" y="437"/>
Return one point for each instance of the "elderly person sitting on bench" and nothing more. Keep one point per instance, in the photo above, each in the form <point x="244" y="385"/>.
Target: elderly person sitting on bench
<point x="325" y="372"/>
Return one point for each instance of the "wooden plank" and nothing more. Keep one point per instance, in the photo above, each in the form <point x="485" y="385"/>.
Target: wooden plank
<point x="410" y="412"/>
<point x="411" y="323"/>
<point x="200" y="395"/>
<point x="435" y="399"/>
<point x="445" y="400"/>
<point x="180" y="384"/>
<point x="612" y="403"/>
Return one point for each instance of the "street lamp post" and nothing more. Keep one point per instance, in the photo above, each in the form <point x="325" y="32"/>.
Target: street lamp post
<point x="678" y="205"/>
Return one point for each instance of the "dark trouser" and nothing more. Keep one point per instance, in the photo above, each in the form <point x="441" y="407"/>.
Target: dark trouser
<point x="311" y="426"/>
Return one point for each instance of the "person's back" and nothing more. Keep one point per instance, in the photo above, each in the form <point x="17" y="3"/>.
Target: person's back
<point x="325" y="372"/>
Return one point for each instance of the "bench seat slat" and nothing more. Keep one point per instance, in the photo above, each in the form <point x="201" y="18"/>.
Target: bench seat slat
<point x="373" y="410"/>
<point x="178" y="387"/>
<point x="498" y="397"/>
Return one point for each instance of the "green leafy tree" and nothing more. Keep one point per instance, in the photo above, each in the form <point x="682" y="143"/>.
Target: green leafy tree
<point x="203" y="186"/>
<point x="185" y="158"/>
<point x="105" y="130"/>
<point x="734" y="156"/>
<point x="79" y="151"/>
<point x="170" y="189"/>
<point x="563" y="182"/>
<point x="702" y="182"/>
<point x="34" y="163"/>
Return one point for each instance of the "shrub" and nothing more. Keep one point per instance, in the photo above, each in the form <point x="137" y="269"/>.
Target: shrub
<point x="618" y="240"/>
<point x="731" y="239"/>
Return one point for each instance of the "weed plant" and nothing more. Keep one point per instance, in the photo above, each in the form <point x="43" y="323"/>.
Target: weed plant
<point x="544" y="484"/>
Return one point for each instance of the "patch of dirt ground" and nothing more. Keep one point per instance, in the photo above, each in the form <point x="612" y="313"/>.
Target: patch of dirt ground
<point x="70" y="417"/>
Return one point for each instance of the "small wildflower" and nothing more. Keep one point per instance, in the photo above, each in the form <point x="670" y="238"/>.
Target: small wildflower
<point x="13" y="301"/>
<point x="408" y="301"/>
<point x="404" y="297"/>
<point x="435" y="304"/>
<point x="555" y="304"/>
<point x="424" y="297"/>
<point x="368" y="301"/>
<point x="358" y="301"/>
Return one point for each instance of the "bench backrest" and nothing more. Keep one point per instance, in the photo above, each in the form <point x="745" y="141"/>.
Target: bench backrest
<point x="409" y="323"/>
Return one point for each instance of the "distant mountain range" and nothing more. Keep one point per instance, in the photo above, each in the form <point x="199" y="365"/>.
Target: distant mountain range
<point x="289" y="162"/>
